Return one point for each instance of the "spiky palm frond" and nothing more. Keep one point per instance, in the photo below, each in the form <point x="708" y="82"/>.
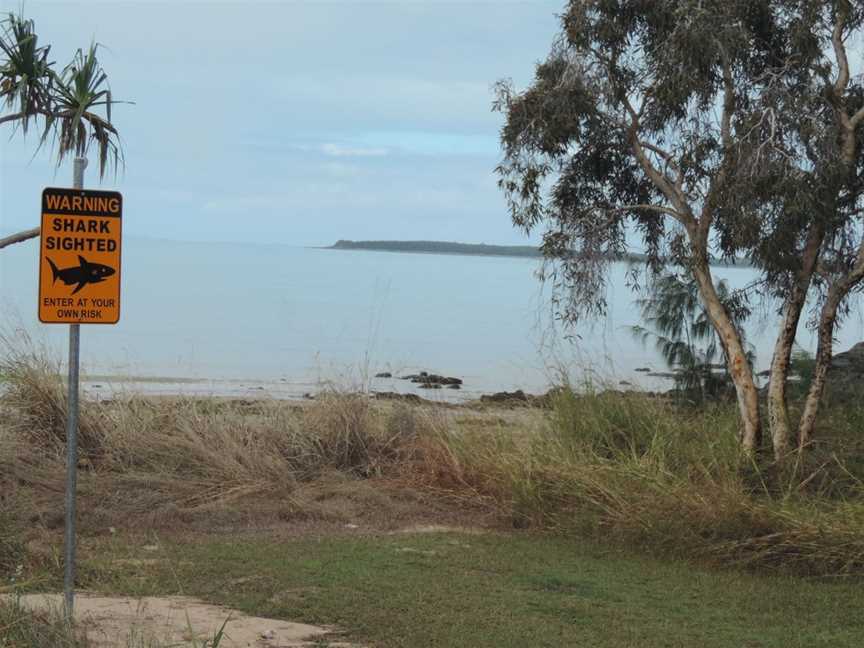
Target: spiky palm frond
<point x="25" y="73"/>
<point x="81" y="88"/>
<point x="68" y="102"/>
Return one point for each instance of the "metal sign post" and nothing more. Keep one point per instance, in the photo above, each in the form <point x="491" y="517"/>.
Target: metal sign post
<point x="72" y="436"/>
<point x="79" y="283"/>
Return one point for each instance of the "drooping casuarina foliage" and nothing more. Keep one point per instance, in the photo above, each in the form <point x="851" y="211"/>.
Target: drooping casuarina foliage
<point x="678" y="325"/>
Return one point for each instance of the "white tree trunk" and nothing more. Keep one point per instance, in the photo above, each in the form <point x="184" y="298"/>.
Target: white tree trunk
<point x="827" y="319"/>
<point x="778" y="411"/>
<point x="778" y="414"/>
<point x="824" y="352"/>
<point x="739" y="368"/>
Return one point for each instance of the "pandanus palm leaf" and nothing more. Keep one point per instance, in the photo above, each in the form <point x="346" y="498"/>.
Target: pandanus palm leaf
<point x="80" y="89"/>
<point x="25" y="73"/>
<point x="71" y="103"/>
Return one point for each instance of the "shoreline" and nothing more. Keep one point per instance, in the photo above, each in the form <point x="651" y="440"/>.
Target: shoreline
<point x="105" y="387"/>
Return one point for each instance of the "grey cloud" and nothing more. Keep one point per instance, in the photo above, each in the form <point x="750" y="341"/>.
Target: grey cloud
<point x="297" y="122"/>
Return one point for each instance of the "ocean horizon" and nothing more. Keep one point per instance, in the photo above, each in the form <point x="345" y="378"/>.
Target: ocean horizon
<point x="240" y="317"/>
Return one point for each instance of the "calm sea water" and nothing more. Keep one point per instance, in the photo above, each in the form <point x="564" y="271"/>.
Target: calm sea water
<point x="241" y="318"/>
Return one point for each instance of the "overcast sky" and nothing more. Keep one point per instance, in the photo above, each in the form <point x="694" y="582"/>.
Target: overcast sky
<point x="295" y="122"/>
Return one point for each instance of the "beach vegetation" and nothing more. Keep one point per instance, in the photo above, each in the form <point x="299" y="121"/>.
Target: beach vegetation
<point x="665" y="478"/>
<point x="70" y="107"/>
<point x="691" y="130"/>
<point x="680" y="328"/>
<point x="525" y="496"/>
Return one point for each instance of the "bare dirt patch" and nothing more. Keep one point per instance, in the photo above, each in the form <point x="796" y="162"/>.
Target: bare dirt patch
<point x="440" y="528"/>
<point x="179" y="622"/>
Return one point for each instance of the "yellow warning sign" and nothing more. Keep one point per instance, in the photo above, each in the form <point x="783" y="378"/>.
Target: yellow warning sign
<point x="79" y="257"/>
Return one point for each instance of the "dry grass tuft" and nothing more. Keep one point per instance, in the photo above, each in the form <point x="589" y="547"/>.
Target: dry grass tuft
<point x="170" y="458"/>
<point x="34" y="400"/>
<point x="12" y="549"/>
<point x="348" y="434"/>
<point x="24" y="628"/>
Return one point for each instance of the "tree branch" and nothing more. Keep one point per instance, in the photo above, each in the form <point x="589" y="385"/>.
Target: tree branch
<point x="19" y="237"/>
<point x="670" y="161"/>
<point x="840" y="53"/>
<point x="707" y="216"/>
<point x="682" y="214"/>
<point x="656" y="208"/>
<point x="728" y="101"/>
<point x="847" y="123"/>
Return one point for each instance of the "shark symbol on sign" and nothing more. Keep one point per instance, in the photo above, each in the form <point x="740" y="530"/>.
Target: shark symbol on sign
<point x="83" y="274"/>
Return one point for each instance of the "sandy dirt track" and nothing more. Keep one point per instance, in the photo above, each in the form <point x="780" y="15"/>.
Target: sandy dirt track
<point x="166" y="621"/>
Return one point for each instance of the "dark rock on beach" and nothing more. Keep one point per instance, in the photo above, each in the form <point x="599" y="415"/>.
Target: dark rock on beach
<point x="505" y="397"/>
<point x="519" y="398"/>
<point x="433" y="381"/>
<point x="384" y="374"/>
<point x="414" y="399"/>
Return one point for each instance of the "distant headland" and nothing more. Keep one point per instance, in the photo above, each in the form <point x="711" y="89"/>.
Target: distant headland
<point x="440" y="247"/>
<point x="474" y="249"/>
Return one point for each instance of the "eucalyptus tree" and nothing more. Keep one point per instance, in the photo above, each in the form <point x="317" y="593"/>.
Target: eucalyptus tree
<point x="837" y="159"/>
<point x="702" y="129"/>
<point x="65" y="106"/>
<point x="799" y="202"/>
<point x="628" y="131"/>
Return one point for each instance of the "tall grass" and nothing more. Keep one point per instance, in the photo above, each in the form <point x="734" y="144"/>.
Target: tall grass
<point x="12" y="548"/>
<point x="35" y="396"/>
<point x="638" y="469"/>
<point x="24" y="628"/>
<point x="647" y="473"/>
<point x="170" y="456"/>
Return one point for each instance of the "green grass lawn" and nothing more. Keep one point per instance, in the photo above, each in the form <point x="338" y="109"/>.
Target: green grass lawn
<point x="496" y="590"/>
